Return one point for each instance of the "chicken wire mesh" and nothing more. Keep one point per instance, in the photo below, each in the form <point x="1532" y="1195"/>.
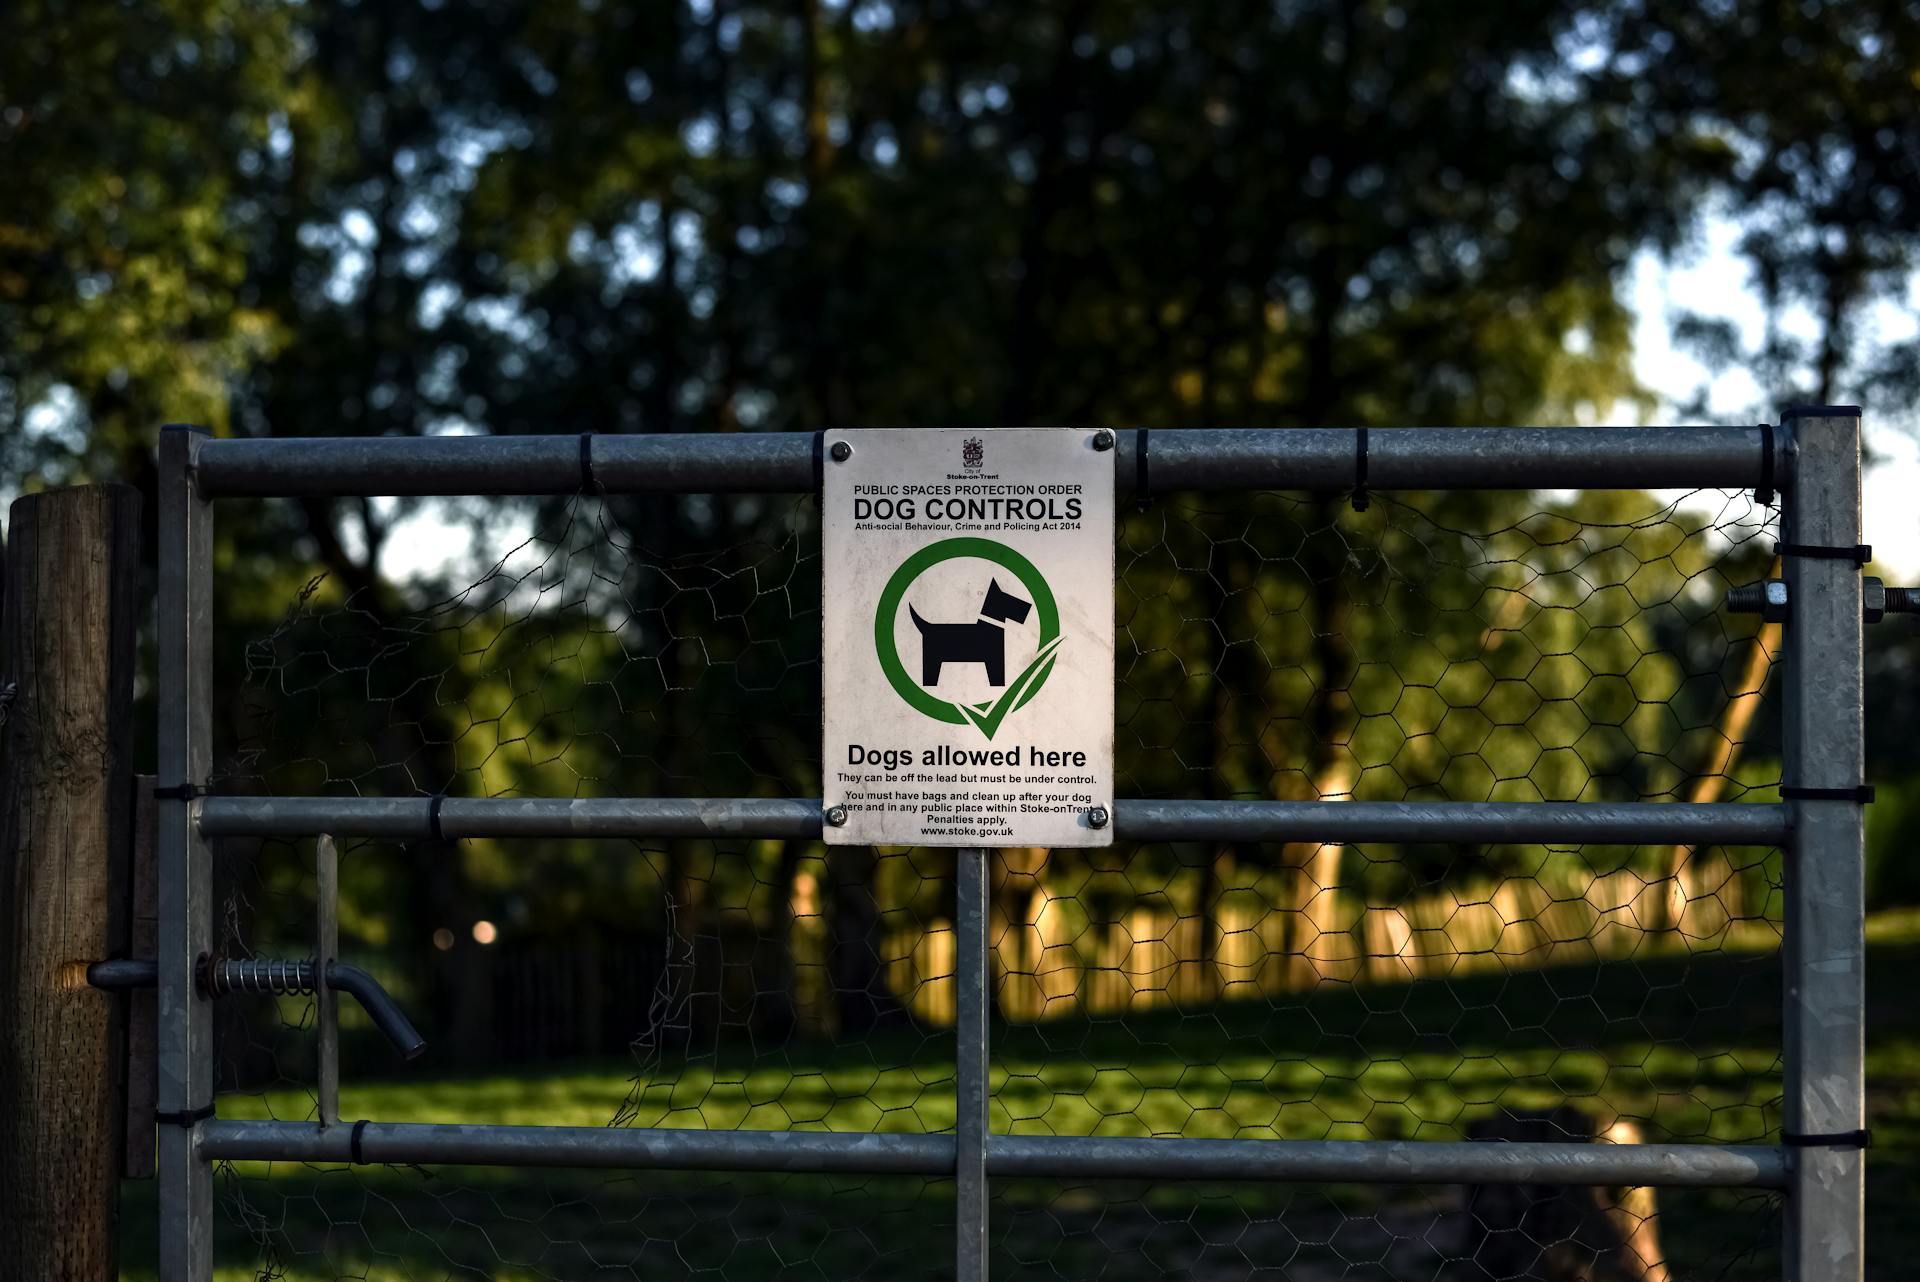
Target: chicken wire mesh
<point x="1463" y="647"/>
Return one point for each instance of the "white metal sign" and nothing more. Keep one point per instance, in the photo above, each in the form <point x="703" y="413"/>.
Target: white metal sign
<point x="968" y="637"/>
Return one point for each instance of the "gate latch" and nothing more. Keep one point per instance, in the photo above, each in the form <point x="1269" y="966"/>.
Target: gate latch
<point x="220" y="976"/>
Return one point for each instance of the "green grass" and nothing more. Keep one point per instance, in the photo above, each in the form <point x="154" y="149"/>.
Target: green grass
<point x="1687" y="1045"/>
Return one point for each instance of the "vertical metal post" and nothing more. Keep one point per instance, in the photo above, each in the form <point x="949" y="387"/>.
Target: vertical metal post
<point x="183" y="762"/>
<point x="326" y="943"/>
<point x="970" y="1086"/>
<point x="1825" y="944"/>
<point x="143" y="1026"/>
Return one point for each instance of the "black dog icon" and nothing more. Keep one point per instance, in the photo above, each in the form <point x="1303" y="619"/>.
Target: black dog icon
<point x="982" y="641"/>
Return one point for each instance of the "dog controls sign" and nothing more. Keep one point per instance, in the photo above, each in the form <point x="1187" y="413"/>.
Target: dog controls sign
<point x="968" y="648"/>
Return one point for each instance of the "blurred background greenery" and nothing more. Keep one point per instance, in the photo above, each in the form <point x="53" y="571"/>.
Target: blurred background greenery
<point x="435" y="217"/>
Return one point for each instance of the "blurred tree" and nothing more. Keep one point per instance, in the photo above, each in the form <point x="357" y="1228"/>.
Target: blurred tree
<point x="1811" y="103"/>
<point x="134" y="134"/>
<point x="491" y="215"/>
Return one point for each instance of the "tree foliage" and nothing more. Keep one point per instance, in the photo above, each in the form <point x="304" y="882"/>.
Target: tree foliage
<point x="436" y="216"/>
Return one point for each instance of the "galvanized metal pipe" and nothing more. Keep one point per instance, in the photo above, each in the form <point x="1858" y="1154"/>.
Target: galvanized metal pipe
<point x="585" y="1147"/>
<point x="1823" y="699"/>
<point x="326" y="947"/>
<point x="412" y="818"/>
<point x="1461" y="458"/>
<point x="688" y="463"/>
<point x="1389" y="1161"/>
<point x="1568" y="823"/>
<point x="183" y="860"/>
<point x="1321" y="459"/>
<point x="972" y="1087"/>
<point x="1040" y="1157"/>
<point x="1480" y="822"/>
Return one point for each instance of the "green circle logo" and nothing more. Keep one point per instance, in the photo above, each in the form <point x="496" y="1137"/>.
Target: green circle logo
<point x="979" y="642"/>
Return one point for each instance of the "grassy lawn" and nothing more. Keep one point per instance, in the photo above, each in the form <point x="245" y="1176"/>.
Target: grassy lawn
<point x="1687" y="1046"/>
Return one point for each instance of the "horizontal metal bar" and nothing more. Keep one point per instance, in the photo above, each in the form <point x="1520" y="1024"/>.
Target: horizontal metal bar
<point x="1569" y="823"/>
<point x="707" y="463"/>
<point x="595" y="1147"/>
<point x="1389" y="1161"/>
<point x="1322" y="459"/>
<point x="1049" y="1157"/>
<point x="1469" y="458"/>
<point x="411" y="818"/>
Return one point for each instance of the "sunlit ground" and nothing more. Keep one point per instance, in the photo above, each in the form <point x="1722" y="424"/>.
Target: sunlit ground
<point x="1419" y="1062"/>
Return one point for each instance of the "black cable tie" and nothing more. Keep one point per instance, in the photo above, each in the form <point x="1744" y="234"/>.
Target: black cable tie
<point x="1763" y="494"/>
<point x="1862" y="1138"/>
<point x="1859" y="553"/>
<point x="586" y="463"/>
<point x="1361" y="499"/>
<point x="1142" y="472"/>
<point x="819" y="463"/>
<point x="1861" y="793"/>
<point x="186" y="1117"/>
<point x="353" y="1143"/>
<point x="179" y="792"/>
<point x="433" y="816"/>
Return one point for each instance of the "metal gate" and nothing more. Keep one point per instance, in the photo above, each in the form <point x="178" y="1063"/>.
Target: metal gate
<point x="1811" y="457"/>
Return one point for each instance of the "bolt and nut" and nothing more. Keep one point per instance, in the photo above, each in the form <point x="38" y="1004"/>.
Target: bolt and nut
<point x="1103" y="439"/>
<point x="1878" y="600"/>
<point x="841" y="451"/>
<point x="1769" y="600"/>
<point x="1098" y="817"/>
<point x="836" y="816"/>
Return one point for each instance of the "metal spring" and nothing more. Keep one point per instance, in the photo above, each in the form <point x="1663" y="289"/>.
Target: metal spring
<point x="220" y="976"/>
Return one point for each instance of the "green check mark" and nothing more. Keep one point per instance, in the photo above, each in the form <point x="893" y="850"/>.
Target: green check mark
<point x="988" y="716"/>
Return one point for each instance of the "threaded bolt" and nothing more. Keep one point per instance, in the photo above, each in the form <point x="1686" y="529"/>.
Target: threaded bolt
<point x="1768" y="600"/>
<point x="836" y="816"/>
<point x="1097" y="817"/>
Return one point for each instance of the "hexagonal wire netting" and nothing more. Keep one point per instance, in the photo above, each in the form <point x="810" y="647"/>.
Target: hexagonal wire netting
<point x="1465" y="647"/>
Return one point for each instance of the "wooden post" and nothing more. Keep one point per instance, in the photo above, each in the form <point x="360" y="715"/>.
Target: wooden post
<point x="65" y="784"/>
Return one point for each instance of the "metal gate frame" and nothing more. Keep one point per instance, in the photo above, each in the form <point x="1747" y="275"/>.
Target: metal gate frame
<point x="1812" y="458"/>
